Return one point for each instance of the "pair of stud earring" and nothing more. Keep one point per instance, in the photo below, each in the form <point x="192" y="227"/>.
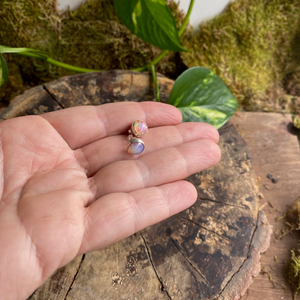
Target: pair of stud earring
<point x="137" y="130"/>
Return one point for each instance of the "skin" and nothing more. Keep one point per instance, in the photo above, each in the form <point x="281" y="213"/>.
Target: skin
<point x="68" y="185"/>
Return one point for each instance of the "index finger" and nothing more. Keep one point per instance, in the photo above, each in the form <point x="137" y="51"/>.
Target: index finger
<point x="83" y="125"/>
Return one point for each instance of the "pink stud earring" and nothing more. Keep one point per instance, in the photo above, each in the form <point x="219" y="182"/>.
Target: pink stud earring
<point x="137" y="130"/>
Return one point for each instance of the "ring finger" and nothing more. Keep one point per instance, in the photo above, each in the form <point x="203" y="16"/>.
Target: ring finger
<point x="156" y="168"/>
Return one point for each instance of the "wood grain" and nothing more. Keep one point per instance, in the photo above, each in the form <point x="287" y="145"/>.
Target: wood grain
<point x="107" y="87"/>
<point x="274" y="151"/>
<point x="35" y="101"/>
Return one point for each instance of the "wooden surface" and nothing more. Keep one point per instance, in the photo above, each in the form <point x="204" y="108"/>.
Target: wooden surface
<point x="274" y="151"/>
<point x="87" y="89"/>
<point x="210" y="251"/>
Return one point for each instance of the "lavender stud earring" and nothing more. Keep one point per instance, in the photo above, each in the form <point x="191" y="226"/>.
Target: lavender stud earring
<point x="137" y="130"/>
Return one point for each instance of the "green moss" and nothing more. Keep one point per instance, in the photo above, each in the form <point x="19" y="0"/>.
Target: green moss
<point x="91" y="37"/>
<point x="22" y="22"/>
<point x="253" y="46"/>
<point x="294" y="273"/>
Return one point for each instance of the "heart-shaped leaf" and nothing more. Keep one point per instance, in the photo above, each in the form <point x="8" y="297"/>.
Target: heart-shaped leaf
<point x="3" y="71"/>
<point x="151" y="20"/>
<point x="201" y="96"/>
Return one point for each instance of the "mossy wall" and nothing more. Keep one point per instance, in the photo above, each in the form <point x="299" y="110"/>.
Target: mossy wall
<point x="254" y="46"/>
<point x="91" y="37"/>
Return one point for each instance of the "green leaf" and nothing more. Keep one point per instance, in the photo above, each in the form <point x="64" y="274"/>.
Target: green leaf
<point x="201" y="96"/>
<point x="151" y="20"/>
<point x="3" y="71"/>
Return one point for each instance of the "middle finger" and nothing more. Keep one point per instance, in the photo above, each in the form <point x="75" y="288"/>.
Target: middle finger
<point x="157" y="168"/>
<point x="108" y="150"/>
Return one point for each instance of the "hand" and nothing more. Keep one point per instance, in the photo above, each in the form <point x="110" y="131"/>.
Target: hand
<point x="68" y="185"/>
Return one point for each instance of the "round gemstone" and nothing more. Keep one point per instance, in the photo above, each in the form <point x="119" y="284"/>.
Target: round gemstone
<point x="139" y="128"/>
<point x="136" y="146"/>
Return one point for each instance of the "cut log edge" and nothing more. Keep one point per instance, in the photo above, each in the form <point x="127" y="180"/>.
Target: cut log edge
<point x="241" y="280"/>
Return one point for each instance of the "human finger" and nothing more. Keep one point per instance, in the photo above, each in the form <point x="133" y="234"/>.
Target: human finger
<point x="119" y="215"/>
<point x="82" y="125"/>
<point x="156" y="168"/>
<point x="96" y="155"/>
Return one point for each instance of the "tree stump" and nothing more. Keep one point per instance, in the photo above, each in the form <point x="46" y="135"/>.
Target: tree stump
<point x="209" y="251"/>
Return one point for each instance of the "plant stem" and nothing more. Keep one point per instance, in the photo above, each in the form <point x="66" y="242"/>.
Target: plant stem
<point x="186" y="19"/>
<point x="165" y="52"/>
<point x="155" y="82"/>
<point x="69" y="67"/>
<point x="44" y="56"/>
<point x="159" y="57"/>
<point x="58" y="63"/>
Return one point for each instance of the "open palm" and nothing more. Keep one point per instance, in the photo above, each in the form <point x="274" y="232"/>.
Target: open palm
<point x="68" y="185"/>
